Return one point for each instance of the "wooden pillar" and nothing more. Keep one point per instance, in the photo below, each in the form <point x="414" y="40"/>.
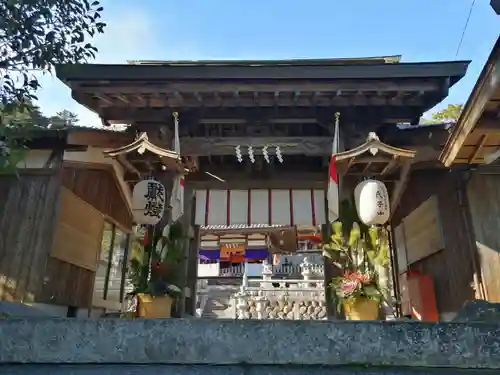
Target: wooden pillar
<point x="187" y="220"/>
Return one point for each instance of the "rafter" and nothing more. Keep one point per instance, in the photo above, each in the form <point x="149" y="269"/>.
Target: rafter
<point x="400" y="185"/>
<point x="198" y="87"/>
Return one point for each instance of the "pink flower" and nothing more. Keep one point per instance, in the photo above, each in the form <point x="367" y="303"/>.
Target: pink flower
<point x="349" y="286"/>
<point x="358" y="276"/>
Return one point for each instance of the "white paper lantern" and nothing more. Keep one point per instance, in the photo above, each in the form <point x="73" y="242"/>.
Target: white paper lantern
<point x="148" y="202"/>
<point x="372" y="202"/>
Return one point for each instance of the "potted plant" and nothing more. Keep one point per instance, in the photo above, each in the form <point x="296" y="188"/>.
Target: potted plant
<point x="156" y="272"/>
<point x="359" y="252"/>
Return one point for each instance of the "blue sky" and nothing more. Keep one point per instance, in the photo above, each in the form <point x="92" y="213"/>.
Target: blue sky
<point x="419" y="30"/>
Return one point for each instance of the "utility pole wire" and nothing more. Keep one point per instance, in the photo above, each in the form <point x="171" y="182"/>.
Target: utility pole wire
<point x="465" y="27"/>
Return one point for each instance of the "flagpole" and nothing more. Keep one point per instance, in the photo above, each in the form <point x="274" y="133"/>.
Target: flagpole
<point x="336" y="143"/>
<point x="333" y="187"/>
<point x="331" y="311"/>
<point x="337" y="150"/>
<point x="176" y="142"/>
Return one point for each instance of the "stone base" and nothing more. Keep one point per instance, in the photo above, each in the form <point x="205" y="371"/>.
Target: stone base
<point x="479" y="311"/>
<point x="223" y="370"/>
<point x="272" y="347"/>
<point x="20" y="310"/>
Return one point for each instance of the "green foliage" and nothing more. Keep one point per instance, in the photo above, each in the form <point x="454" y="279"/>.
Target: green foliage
<point x="359" y="253"/>
<point x="23" y="117"/>
<point x="64" y="118"/>
<point x="165" y="255"/>
<point x="16" y="130"/>
<point x="35" y="35"/>
<point x="450" y="114"/>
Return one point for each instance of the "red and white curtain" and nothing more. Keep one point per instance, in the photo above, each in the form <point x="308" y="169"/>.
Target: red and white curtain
<point x="261" y="206"/>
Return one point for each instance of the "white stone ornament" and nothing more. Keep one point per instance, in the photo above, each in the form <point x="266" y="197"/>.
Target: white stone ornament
<point x="372" y="202"/>
<point x="148" y="202"/>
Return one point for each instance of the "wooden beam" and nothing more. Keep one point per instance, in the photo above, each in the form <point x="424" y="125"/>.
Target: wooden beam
<point x="226" y="146"/>
<point x="122" y="159"/>
<point x="247" y="183"/>
<point x="176" y="88"/>
<point x="190" y="116"/>
<point x="390" y="166"/>
<point x="86" y="165"/>
<point x="123" y="186"/>
<point x="309" y="146"/>
<point x="105" y="98"/>
<point x="487" y="85"/>
<point x="400" y="185"/>
<point x="487" y="126"/>
<point x="482" y="142"/>
<point x="98" y="138"/>
<point x="267" y="100"/>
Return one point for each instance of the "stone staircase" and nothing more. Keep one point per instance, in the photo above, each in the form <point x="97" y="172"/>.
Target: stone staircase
<point x="216" y="308"/>
<point x="219" y="304"/>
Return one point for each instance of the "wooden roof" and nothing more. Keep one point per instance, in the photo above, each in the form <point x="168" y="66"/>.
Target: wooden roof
<point x="366" y="159"/>
<point x="142" y="155"/>
<point x="280" y="62"/>
<point x="476" y="134"/>
<point x="150" y="91"/>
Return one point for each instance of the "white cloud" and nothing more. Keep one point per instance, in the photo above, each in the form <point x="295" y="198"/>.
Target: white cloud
<point x="130" y="34"/>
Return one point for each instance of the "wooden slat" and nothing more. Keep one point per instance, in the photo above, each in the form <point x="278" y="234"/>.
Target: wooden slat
<point x="28" y="215"/>
<point x="423" y="231"/>
<point x="453" y="268"/>
<point x="100" y="189"/>
<point x="400" y="243"/>
<point x="27" y="218"/>
<point x="78" y="235"/>
<point x="484" y="200"/>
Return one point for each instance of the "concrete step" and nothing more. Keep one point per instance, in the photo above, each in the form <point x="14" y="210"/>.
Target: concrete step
<point x="250" y="347"/>
<point x="153" y="369"/>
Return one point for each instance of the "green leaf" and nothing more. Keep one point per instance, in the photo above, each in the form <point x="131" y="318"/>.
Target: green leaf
<point x="354" y="236"/>
<point x="337" y="227"/>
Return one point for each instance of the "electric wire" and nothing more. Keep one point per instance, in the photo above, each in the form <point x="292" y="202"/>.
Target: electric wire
<point x="465" y="27"/>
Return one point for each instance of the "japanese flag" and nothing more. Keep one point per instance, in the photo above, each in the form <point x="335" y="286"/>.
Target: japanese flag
<point x="333" y="178"/>
<point x="177" y="197"/>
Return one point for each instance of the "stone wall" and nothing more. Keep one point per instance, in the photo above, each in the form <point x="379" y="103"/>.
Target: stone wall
<point x="257" y="347"/>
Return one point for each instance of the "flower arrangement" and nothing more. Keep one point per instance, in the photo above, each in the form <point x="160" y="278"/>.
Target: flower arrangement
<point x="164" y="255"/>
<point x="359" y="252"/>
<point x="356" y="284"/>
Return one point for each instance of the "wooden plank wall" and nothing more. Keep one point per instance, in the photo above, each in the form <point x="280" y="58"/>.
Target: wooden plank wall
<point x="28" y="212"/>
<point x="98" y="187"/>
<point x="74" y="285"/>
<point x="483" y="192"/>
<point x="453" y="268"/>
